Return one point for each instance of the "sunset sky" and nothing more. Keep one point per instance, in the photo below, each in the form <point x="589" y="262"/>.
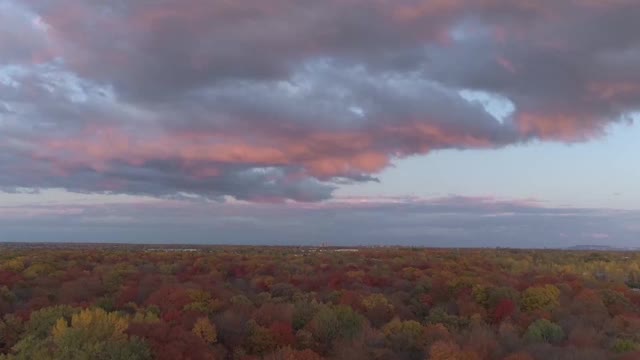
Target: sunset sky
<point x="350" y="122"/>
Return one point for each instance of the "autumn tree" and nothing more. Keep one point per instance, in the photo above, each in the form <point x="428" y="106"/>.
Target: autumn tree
<point x="171" y="341"/>
<point x="11" y="328"/>
<point x="540" y="298"/>
<point x="378" y="309"/>
<point x="205" y="330"/>
<point x="519" y="356"/>
<point x="503" y="310"/>
<point x="91" y="334"/>
<point x="288" y="353"/>
<point x="443" y="350"/>
<point x="96" y="334"/>
<point x="260" y="341"/>
<point x="404" y="335"/>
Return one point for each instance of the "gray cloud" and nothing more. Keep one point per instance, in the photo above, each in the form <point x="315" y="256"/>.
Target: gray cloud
<point x="455" y="221"/>
<point x="283" y="99"/>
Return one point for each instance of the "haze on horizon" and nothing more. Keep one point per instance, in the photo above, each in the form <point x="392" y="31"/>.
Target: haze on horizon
<point x="409" y="122"/>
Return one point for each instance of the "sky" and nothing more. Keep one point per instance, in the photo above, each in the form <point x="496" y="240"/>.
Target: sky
<point x="457" y="123"/>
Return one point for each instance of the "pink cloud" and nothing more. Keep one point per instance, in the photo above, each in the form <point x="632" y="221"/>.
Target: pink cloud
<point x="197" y="96"/>
<point x="506" y="64"/>
<point x="320" y="154"/>
<point x="561" y="127"/>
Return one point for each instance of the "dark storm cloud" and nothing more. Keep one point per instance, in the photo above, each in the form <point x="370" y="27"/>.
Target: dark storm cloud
<point x="281" y="99"/>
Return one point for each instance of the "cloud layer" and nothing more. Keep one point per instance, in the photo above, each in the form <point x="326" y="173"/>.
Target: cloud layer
<point x="275" y="100"/>
<point x="439" y="222"/>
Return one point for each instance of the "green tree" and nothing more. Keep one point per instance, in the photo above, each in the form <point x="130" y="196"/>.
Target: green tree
<point x="543" y="330"/>
<point x="333" y="323"/>
<point x="34" y="340"/>
<point x="303" y="312"/>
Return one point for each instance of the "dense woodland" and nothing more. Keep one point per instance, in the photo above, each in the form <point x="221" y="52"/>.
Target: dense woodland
<point x="128" y="302"/>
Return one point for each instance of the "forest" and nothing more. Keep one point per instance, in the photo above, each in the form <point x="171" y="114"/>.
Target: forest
<point x="288" y="303"/>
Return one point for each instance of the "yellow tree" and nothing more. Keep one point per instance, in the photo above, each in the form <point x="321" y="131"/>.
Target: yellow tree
<point x="540" y="298"/>
<point x="205" y="330"/>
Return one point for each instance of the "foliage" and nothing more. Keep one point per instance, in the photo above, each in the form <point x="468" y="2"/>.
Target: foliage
<point x="260" y="340"/>
<point x="625" y="345"/>
<point x="304" y="311"/>
<point x="290" y="354"/>
<point x="540" y="298"/>
<point x="503" y="310"/>
<point x="377" y="308"/>
<point x="10" y="328"/>
<point x="444" y="350"/>
<point x="223" y="302"/>
<point x="543" y="330"/>
<point x="96" y="334"/>
<point x="439" y="315"/>
<point x="336" y="323"/>
<point x="201" y="301"/>
<point x="404" y="335"/>
<point x="92" y="334"/>
<point x="205" y="330"/>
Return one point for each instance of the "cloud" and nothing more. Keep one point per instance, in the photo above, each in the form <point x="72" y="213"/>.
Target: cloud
<point x="285" y="100"/>
<point x="437" y="222"/>
<point x="20" y="34"/>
